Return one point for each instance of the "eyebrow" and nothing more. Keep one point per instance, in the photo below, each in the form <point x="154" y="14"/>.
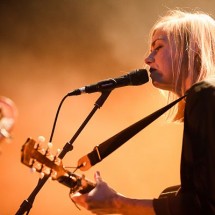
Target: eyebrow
<point x="159" y="38"/>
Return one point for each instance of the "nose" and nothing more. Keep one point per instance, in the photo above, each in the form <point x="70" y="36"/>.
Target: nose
<point x="150" y="59"/>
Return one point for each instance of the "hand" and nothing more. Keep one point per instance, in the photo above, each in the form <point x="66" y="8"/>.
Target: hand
<point x="101" y="200"/>
<point x="104" y="200"/>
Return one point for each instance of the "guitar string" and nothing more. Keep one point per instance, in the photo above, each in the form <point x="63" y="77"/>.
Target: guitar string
<point x="73" y="167"/>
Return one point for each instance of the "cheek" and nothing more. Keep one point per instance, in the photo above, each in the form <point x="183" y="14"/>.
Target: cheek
<point x="165" y="74"/>
<point x="167" y="65"/>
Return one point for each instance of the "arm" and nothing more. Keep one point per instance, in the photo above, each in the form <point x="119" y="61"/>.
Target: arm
<point x="200" y="137"/>
<point x="104" y="200"/>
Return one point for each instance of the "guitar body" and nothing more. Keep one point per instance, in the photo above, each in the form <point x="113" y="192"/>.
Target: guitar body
<point x="170" y="191"/>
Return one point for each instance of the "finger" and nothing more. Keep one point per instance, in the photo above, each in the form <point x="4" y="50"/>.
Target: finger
<point x="97" y="177"/>
<point x="79" y="199"/>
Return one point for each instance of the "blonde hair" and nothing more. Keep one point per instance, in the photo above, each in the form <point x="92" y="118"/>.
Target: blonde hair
<point x="192" y="35"/>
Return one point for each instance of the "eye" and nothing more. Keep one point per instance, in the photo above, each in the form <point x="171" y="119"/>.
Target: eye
<point x="158" y="48"/>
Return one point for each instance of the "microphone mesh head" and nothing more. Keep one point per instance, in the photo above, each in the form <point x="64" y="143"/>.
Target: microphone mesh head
<point x="139" y="77"/>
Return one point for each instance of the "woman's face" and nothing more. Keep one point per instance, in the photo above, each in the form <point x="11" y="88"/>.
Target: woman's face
<point x="160" y="61"/>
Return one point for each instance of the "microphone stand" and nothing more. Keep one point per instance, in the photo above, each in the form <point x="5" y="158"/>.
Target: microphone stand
<point x="27" y="204"/>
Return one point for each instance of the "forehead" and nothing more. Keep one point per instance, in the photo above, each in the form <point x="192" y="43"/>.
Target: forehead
<point x="159" y="35"/>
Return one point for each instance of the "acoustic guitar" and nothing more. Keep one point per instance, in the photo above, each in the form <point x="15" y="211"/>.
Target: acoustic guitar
<point x="43" y="161"/>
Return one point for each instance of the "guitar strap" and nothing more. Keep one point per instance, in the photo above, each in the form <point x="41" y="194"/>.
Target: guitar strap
<point x="107" y="147"/>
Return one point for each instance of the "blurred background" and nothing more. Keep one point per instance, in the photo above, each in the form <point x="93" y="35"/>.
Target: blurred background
<point x="49" y="48"/>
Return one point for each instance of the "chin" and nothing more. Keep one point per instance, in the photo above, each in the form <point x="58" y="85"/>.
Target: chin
<point x="161" y="86"/>
<point x="157" y="85"/>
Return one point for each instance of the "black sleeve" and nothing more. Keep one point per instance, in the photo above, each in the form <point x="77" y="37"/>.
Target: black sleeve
<point x="180" y="203"/>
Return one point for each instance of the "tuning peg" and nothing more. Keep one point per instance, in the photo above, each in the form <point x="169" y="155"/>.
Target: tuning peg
<point x="50" y="145"/>
<point x="50" y="156"/>
<point x="53" y="174"/>
<point x="42" y="174"/>
<point x="56" y="159"/>
<point x="58" y="152"/>
<point x="38" y="166"/>
<point x="35" y="166"/>
<point x="33" y="169"/>
<point x="39" y="142"/>
<point x="46" y="170"/>
<point x="41" y="139"/>
<point x="47" y="152"/>
<point x="43" y="151"/>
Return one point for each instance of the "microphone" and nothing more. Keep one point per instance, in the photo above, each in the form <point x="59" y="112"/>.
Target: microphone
<point x="134" y="78"/>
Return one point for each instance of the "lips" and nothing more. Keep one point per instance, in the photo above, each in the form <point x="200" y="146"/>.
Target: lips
<point x="155" y="75"/>
<point x="152" y="70"/>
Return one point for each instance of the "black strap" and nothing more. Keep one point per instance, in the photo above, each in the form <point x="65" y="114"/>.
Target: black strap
<point x="107" y="147"/>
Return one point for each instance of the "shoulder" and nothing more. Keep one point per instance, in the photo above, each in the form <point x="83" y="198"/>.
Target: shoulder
<point x="201" y="96"/>
<point x="203" y="86"/>
<point x="202" y="89"/>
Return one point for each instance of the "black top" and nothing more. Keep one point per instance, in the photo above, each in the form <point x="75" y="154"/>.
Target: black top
<point x="197" y="193"/>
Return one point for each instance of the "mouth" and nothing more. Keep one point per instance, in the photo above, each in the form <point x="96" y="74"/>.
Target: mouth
<point x="152" y="70"/>
<point x="155" y="75"/>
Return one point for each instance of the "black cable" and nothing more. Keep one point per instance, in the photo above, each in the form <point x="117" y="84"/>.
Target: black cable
<point x="56" y="117"/>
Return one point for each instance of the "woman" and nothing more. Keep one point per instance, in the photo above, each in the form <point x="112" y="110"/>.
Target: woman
<point x="181" y="61"/>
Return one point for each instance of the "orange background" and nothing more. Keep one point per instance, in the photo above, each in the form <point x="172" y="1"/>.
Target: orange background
<point x="50" y="48"/>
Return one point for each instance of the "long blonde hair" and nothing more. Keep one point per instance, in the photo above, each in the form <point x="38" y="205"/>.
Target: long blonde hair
<point x="192" y="35"/>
